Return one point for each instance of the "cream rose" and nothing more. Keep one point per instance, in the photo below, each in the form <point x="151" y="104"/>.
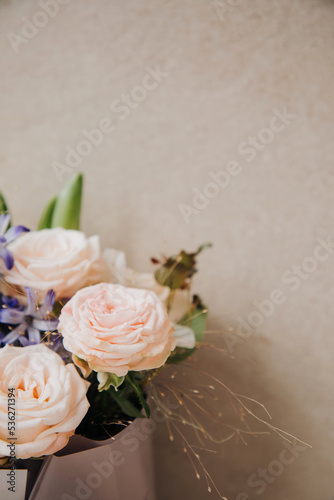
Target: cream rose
<point x="62" y="259"/>
<point x="50" y="400"/>
<point x="116" y="329"/>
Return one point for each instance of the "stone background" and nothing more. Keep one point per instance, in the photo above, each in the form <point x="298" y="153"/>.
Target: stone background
<point x="227" y="67"/>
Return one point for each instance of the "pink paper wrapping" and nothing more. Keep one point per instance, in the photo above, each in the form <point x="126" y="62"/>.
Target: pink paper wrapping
<point x="116" y="469"/>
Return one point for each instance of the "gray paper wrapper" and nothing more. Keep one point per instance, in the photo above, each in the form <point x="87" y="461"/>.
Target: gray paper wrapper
<point x="120" y="468"/>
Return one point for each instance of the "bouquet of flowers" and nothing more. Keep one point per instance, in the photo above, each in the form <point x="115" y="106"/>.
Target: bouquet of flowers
<point x="82" y="334"/>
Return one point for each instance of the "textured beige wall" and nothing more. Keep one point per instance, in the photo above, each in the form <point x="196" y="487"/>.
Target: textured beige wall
<point x="228" y="71"/>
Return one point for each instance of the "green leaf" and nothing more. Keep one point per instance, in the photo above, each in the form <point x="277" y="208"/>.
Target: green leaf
<point x="179" y="269"/>
<point x="125" y="405"/>
<point x="108" y="379"/>
<point x="139" y="393"/>
<point x="46" y="219"/>
<point x="203" y="247"/>
<point x="196" y="318"/>
<point x="66" y="212"/>
<point x="56" y="310"/>
<point x="3" y="206"/>
<point x="180" y="354"/>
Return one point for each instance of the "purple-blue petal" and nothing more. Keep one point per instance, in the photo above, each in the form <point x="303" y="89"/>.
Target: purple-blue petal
<point x="48" y="325"/>
<point x="32" y="304"/>
<point x="11" y="302"/>
<point x="15" y="231"/>
<point x="4" y="222"/>
<point x="24" y="341"/>
<point x="11" y="316"/>
<point x="15" y="334"/>
<point x="47" y="305"/>
<point x="7" y="257"/>
<point x="33" y="335"/>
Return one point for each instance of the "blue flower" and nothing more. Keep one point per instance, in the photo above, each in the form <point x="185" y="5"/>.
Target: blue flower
<point x="6" y="237"/>
<point x="25" y="323"/>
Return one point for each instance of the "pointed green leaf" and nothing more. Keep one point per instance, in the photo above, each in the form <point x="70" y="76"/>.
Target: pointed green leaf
<point x="125" y="405"/>
<point x="180" y="354"/>
<point x="196" y="318"/>
<point x="67" y="208"/>
<point x="139" y="393"/>
<point x="46" y="219"/>
<point x="3" y="205"/>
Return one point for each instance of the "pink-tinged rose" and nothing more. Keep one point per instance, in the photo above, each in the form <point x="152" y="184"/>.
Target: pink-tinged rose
<point x="62" y="259"/>
<point x="50" y="400"/>
<point x="117" y="329"/>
